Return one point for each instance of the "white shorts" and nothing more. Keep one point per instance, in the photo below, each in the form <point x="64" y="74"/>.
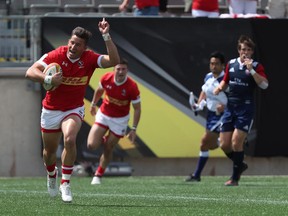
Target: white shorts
<point x="118" y="126"/>
<point x="51" y="119"/>
<point x="201" y="13"/>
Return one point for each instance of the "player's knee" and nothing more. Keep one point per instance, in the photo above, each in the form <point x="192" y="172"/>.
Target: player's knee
<point x="69" y="141"/>
<point x="92" y="145"/>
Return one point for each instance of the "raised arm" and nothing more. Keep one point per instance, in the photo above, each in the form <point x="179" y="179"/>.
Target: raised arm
<point x="112" y="58"/>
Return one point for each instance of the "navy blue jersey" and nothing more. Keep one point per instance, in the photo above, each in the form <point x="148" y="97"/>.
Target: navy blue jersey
<point x="241" y="83"/>
<point x="240" y="108"/>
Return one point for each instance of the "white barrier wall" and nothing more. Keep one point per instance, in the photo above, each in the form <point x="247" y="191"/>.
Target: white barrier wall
<point x="20" y="137"/>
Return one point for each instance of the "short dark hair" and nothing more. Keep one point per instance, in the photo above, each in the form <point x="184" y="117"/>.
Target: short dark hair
<point x="219" y="55"/>
<point x="82" y="33"/>
<point x="243" y="39"/>
<point x="123" y="61"/>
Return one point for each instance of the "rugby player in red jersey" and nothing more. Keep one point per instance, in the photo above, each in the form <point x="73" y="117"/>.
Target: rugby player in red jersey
<point x="63" y="108"/>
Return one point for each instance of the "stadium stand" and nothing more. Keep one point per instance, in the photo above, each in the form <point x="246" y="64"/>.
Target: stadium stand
<point x="77" y="6"/>
<point x="108" y="8"/>
<point x="18" y="44"/>
<point x="111" y="6"/>
<point x="64" y="14"/>
<point x="178" y="8"/>
<point x="223" y="6"/>
<point x="122" y="14"/>
<point x="262" y="7"/>
<point x="16" y="32"/>
<point x="93" y="14"/>
<point x="4" y="7"/>
<point x="40" y="7"/>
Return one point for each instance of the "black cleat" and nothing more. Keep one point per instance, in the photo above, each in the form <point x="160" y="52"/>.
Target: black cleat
<point x="192" y="178"/>
<point x="243" y="168"/>
<point x="231" y="182"/>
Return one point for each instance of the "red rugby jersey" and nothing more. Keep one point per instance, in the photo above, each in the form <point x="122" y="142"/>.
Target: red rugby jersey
<point x="206" y="5"/>
<point x="76" y="76"/>
<point x="117" y="98"/>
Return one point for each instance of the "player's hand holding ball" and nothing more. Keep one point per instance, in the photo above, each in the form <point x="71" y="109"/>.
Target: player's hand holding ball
<point x="53" y="76"/>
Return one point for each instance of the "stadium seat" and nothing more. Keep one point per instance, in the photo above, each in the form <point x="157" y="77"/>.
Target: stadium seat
<point x="223" y="6"/>
<point x="77" y="6"/>
<point x="108" y="8"/>
<point x="59" y="14"/>
<point x="177" y="10"/>
<point x="123" y="14"/>
<point x="112" y="2"/>
<point x="4" y="8"/>
<point x="40" y="7"/>
<point x="93" y="14"/>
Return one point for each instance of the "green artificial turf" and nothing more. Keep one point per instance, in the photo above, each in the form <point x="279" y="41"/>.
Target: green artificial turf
<point x="164" y="195"/>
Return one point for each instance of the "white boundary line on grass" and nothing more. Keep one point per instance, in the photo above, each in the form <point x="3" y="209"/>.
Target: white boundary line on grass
<point x="157" y="197"/>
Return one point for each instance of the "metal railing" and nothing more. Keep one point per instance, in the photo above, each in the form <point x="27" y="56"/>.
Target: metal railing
<point x="20" y="40"/>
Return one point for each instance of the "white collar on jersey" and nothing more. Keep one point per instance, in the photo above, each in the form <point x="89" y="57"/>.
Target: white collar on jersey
<point x="72" y="60"/>
<point x="120" y="83"/>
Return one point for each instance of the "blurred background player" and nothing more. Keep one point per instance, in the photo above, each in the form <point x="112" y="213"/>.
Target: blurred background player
<point x="278" y="8"/>
<point x="205" y="8"/>
<point x="242" y="76"/>
<point x="63" y="109"/>
<point x="215" y="105"/>
<point x="237" y="7"/>
<point x="113" y="115"/>
<point x="142" y="7"/>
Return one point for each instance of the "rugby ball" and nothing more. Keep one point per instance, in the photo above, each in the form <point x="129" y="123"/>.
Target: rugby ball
<point x="50" y="70"/>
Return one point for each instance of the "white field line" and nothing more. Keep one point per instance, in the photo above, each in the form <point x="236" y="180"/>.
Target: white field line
<point x="163" y="197"/>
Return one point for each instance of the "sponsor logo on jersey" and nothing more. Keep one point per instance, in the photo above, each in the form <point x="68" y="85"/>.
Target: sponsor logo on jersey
<point x="75" y="80"/>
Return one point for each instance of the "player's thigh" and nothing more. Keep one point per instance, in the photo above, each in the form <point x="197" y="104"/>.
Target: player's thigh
<point x="95" y="135"/>
<point x="225" y="141"/>
<point x="112" y="140"/>
<point x="210" y="140"/>
<point x="51" y="141"/>
<point x="70" y="127"/>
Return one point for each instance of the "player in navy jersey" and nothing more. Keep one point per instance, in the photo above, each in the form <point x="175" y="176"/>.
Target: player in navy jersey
<point x="112" y="117"/>
<point x="215" y="105"/>
<point x="242" y="76"/>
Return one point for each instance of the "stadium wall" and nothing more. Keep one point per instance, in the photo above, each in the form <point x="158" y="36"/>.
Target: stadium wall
<point x="20" y="141"/>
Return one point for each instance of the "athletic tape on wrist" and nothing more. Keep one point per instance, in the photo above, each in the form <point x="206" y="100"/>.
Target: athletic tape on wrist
<point x="106" y="37"/>
<point x="252" y="72"/>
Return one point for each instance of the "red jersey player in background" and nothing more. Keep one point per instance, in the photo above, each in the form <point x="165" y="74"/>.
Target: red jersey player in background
<point x="114" y="114"/>
<point x="142" y="7"/>
<point x="205" y="8"/>
<point x="63" y="109"/>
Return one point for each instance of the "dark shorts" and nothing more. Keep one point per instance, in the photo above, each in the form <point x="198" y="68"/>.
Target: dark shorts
<point x="238" y="116"/>
<point x="213" y="122"/>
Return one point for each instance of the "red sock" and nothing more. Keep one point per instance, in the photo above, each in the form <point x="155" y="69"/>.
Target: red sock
<point x="100" y="171"/>
<point x="50" y="169"/>
<point x="66" y="173"/>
